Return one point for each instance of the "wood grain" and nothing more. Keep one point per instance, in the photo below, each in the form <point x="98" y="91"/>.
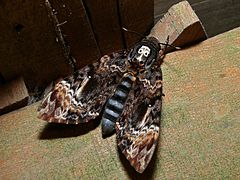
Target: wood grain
<point x="28" y="41"/>
<point x="76" y="30"/>
<point x="181" y="25"/>
<point x="104" y="18"/>
<point x="199" y="130"/>
<point x="217" y="16"/>
<point x="136" y="16"/>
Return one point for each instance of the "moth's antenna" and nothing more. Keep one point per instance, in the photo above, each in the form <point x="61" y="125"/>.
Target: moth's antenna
<point x="135" y="32"/>
<point x="166" y="44"/>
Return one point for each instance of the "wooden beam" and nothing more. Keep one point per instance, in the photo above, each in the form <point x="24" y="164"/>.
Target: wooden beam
<point x="181" y="25"/>
<point x="136" y="16"/>
<point x="216" y="16"/>
<point x="105" y="23"/>
<point x="76" y="30"/>
<point x="29" y="44"/>
<point x="13" y="95"/>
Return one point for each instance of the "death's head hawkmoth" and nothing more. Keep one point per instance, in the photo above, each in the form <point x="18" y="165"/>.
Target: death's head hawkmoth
<point x="127" y="87"/>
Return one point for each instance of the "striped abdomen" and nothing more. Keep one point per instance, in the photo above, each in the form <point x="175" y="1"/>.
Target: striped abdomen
<point x="115" y="104"/>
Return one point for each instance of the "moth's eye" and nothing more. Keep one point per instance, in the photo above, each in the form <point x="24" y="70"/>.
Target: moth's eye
<point x="140" y="51"/>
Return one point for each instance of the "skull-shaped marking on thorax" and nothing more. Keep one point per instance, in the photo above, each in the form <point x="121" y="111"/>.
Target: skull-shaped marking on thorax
<point x="143" y="53"/>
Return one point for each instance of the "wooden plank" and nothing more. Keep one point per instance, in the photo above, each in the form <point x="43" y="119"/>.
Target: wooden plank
<point x="105" y="23"/>
<point x="217" y="16"/>
<point x="28" y="45"/>
<point x="199" y="130"/>
<point x="13" y="95"/>
<point x="28" y="41"/>
<point x="181" y="25"/>
<point x="137" y="16"/>
<point x="77" y="30"/>
<point x="107" y="19"/>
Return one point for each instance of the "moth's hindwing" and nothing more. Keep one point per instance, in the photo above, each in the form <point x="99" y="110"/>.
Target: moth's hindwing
<point x="138" y="127"/>
<point x="80" y="98"/>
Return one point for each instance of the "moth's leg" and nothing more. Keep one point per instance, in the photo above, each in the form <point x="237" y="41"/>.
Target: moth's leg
<point x="162" y="51"/>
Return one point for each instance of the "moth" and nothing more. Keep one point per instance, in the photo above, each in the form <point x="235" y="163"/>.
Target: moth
<point x="127" y="87"/>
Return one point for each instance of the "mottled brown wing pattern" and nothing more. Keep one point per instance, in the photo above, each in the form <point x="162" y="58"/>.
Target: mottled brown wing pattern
<point x="129" y="85"/>
<point x="138" y="127"/>
<point x="80" y="98"/>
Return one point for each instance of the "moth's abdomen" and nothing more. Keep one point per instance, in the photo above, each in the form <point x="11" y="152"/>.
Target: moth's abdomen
<point x="115" y="104"/>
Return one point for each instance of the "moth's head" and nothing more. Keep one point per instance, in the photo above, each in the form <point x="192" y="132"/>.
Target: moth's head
<point x="144" y="53"/>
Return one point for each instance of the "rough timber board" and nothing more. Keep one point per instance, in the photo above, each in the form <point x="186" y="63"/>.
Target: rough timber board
<point x="199" y="131"/>
<point x="77" y="30"/>
<point x="137" y="16"/>
<point x="108" y="18"/>
<point x="105" y="23"/>
<point x="181" y="25"/>
<point x="217" y="16"/>
<point x="28" y="44"/>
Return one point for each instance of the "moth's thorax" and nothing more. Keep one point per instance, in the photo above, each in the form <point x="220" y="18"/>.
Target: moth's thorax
<point x="144" y="54"/>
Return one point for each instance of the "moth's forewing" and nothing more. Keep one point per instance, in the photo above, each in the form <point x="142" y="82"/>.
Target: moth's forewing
<point x="80" y="98"/>
<point x="138" y="127"/>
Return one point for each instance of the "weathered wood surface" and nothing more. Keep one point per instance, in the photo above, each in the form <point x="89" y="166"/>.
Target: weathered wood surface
<point x="28" y="41"/>
<point x="181" y="25"/>
<point x="137" y="16"/>
<point x="199" y="130"/>
<point x="217" y="16"/>
<point x="30" y="46"/>
<point x="104" y="20"/>
<point x="76" y="30"/>
<point x="107" y="19"/>
<point x="13" y="95"/>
